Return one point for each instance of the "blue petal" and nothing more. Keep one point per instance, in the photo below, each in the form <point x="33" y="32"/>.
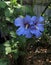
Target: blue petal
<point x="28" y="33"/>
<point x="41" y="19"/>
<point x="41" y="27"/>
<point x="37" y="33"/>
<point x="27" y="19"/>
<point x="18" y="21"/>
<point x="32" y="31"/>
<point x="34" y="18"/>
<point x="20" y="31"/>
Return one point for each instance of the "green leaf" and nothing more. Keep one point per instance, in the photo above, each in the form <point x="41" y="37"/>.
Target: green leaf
<point x="22" y="42"/>
<point x="8" y="50"/>
<point x="2" y="49"/>
<point x="7" y="44"/>
<point x="12" y="33"/>
<point x="7" y="47"/>
<point x="15" y="50"/>
<point x="7" y="13"/>
<point x="2" y="4"/>
<point x="15" y="56"/>
<point x="45" y="30"/>
<point x="14" y="2"/>
<point x="2" y="62"/>
<point x="22" y="39"/>
<point x="27" y="10"/>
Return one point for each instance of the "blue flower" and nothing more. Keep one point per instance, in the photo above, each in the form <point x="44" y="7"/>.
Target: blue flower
<point x="37" y="27"/>
<point x="29" y="26"/>
<point x="24" y="26"/>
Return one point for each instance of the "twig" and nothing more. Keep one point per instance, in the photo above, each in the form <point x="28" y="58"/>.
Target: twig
<point x="45" y="8"/>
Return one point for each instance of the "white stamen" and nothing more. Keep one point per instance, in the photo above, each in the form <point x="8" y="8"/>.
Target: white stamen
<point x="26" y="26"/>
<point x="37" y="27"/>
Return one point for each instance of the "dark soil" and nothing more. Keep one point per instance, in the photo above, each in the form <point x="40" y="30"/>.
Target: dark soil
<point x="39" y="56"/>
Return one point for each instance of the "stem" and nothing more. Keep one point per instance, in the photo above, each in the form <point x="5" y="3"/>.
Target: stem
<point x="45" y="8"/>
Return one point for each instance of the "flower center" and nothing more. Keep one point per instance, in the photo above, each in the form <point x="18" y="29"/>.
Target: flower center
<point x="32" y="27"/>
<point x="26" y="25"/>
<point x="35" y="25"/>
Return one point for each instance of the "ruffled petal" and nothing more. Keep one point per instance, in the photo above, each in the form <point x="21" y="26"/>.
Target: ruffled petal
<point x="27" y="19"/>
<point x="18" y="21"/>
<point x="20" y="31"/>
<point x="40" y="27"/>
<point x="34" y="18"/>
<point x="32" y="31"/>
<point x="41" y="19"/>
<point x="37" y="33"/>
<point x="28" y="33"/>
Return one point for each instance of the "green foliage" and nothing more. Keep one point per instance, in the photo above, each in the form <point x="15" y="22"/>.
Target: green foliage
<point x="4" y="61"/>
<point x="1" y="62"/>
<point x="2" y="4"/>
<point x="27" y="10"/>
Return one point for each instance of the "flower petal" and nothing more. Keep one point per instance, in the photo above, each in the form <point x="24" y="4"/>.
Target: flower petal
<point x="27" y="19"/>
<point x="20" y="31"/>
<point x="40" y="27"/>
<point x="28" y="33"/>
<point x="33" y="18"/>
<point x="37" y="33"/>
<point x="18" y="21"/>
<point x="41" y="19"/>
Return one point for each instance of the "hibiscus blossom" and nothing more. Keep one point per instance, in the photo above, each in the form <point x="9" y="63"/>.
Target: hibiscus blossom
<point x="24" y="26"/>
<point x="29" y="26"/>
